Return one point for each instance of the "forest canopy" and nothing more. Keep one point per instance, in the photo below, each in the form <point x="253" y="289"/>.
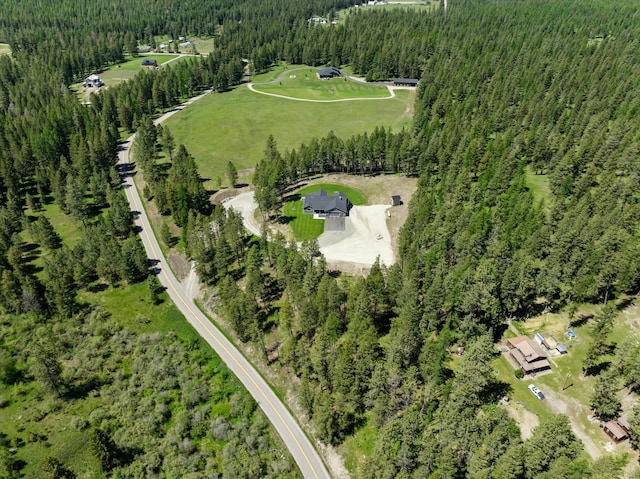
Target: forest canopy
<point x="526" y="147"/>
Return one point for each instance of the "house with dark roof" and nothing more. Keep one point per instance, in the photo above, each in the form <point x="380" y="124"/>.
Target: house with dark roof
<point x="329" y="72"/>
<point x="149" y="63"/>
<point x="528" y="354"/>
<point x="405" y="82"/>
<point x="323" y="205"/>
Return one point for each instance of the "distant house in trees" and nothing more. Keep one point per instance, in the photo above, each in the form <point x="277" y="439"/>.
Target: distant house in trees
<point x="329" y="73"/>
<point x="396" y="200"/>
<point x="317" y="20"/>
<point x="405" y="82"/>
<point x="323" y="205"/>
<point x="93" y="81"/>
<point x="528" y="354"/>
<point x="615" y="431"/>
<point x="149" y="63"/>
<point x="143" y="48"/>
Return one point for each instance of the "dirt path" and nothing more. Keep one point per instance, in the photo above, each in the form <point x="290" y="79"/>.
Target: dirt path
<point x="527" y="421"/>
<point x="572" y="410"/>
<point x="392" y="94"/>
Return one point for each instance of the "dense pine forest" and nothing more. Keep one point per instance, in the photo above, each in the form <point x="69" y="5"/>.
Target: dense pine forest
<point x="512" y="95"/>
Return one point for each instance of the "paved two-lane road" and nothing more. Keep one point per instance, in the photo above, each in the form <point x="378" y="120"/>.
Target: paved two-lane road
<point x="299" y="445"/>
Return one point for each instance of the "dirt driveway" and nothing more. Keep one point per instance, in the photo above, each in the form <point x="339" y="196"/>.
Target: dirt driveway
<point x="573" y="410"/>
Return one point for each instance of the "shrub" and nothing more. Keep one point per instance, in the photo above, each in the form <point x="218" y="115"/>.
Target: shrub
<point x="519" y="373"/>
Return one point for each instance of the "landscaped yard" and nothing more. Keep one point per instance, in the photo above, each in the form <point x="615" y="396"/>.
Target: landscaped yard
<point x="234" y="126"/>
<point x="303" y="225"/>
<point x="304" y="83"/>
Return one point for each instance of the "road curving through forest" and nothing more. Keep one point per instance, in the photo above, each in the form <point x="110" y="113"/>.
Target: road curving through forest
<point x="299" y="445"/>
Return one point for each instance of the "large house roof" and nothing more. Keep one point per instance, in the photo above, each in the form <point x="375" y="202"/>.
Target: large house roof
<point x="528" y="353"/>
<point x="329" y="72"/>
<point x="406" y="81"/>
<point x="321" y="202"/>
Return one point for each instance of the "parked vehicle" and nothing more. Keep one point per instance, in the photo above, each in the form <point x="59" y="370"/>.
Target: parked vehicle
<point x="535" y="391"/>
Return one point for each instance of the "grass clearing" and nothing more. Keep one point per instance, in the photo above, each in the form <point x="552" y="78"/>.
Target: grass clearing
<point x="131" y="306"/>
<point x="304" y="84"/>
<point x="304" y="226"/>
<point x="43" y="425"/>
<point x="131" y="66"/>
<point x="357" y="448"/>
<point x="234" y="126"/>
<point x="5" y="49"/>
<point x="539" y="186"/>
<point x="566" y="380"/>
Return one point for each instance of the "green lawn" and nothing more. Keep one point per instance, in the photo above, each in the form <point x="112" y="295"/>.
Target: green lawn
<point x="304" y="226"/>
<point x="304" y="83"/>
<point x="234" y="126"/>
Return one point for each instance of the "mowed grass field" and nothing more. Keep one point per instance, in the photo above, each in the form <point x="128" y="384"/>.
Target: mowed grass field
<point x="304" y="84"/>
<point x="304" y="226"/>
<point x="234" y="126"/>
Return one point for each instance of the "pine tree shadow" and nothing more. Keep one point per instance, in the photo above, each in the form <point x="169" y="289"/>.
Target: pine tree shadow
<point x="596" y="369"/>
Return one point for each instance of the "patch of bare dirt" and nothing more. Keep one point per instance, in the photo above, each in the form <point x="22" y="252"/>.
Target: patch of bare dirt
<point x="527" y="421"/>
<point x="180" y="266"/>
<point x="224" y="194"/>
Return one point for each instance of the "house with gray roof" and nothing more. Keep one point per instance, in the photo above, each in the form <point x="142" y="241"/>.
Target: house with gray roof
<point x="329" y="72"/>
<point x="323" y="205"/>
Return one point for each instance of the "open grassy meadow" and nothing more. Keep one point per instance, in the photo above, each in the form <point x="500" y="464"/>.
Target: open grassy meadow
<point x="303" y="83"/>
<point x="539" y="186"/>
<point x="132" y="65"/>
<point x="304" y="226"/>
<point x="234" y="126"/>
